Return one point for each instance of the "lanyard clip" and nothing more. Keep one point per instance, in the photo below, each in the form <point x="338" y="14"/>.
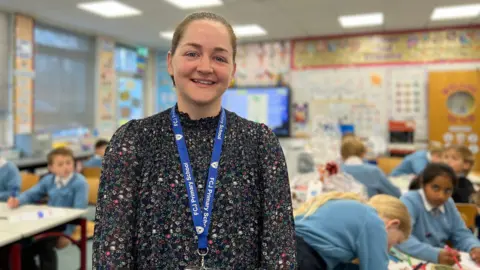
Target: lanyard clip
<point x="202" y="253"/>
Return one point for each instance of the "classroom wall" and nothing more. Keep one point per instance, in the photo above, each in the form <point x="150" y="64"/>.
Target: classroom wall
<point x="5" y="85"/>
<point x="354" y="79"/>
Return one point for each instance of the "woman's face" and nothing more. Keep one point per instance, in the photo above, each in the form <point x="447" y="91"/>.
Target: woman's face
<point x="203" y="64"/>
<point x="439" y="190"/>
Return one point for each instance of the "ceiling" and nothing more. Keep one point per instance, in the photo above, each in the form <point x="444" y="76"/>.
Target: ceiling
<point x="281" y="18"/>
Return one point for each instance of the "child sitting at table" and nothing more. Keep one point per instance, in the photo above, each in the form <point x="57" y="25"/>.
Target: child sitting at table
<point x="353" y="150"/>
<point x="417" y="161"/>
<point x="96" y="160"/>
<point x="64" y="188"/>
<point x="436" y="220"/>
<point x="461" y="159"/>
<point x="10" y="179"/>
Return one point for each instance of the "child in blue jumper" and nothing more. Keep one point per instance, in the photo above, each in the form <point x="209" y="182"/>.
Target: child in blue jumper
<point x="10" y="179"/>
<point x="337" y="230"/>
<point x="461" y="159"/>
<point x="436" y="220"/>
<point x="417" y="161"/>
<point x="96" y="160"/>
<point x="64" y="188"/>
<point x="353" y="150"/>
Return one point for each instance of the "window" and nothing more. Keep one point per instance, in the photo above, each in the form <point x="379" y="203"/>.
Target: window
<point x="64" y="84"/>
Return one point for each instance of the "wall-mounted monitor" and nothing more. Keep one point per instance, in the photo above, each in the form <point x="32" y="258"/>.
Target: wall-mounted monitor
<point x="268" y="105"/>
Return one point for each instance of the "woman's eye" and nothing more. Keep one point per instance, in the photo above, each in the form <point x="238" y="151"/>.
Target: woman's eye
<point x="220" y="59"/>
<point x="191" y="54"/>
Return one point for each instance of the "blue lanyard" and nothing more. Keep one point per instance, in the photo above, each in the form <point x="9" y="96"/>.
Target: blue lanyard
<point x="201" y="216"/>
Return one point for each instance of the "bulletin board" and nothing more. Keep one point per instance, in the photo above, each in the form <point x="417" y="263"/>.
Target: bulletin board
<point x="352" y="96"/>
<point x="166" y="95"/>
<point x="130" y="99"/>
<point x="420" y="47"/>
<point x="454" y="114"/>
<point x="24" y="75"/>
<point x="265" y="63"/>
<point x="106" y="95"/>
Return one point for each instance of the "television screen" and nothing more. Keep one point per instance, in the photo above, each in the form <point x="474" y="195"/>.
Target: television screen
<point x="268" y="105"/>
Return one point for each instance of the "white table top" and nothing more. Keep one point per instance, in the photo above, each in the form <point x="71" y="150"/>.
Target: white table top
<point x="9" y="237"/>
<point x="30" y="228"/>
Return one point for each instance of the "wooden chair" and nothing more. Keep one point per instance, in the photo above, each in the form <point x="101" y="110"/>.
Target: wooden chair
<point x="387" y="164"/>
<point x="28" y="180"/>
<point x="93" y="184"/>
<point x="468" y="211"/>
<point x="92" y="172"/>
<point x="76" y="235"/>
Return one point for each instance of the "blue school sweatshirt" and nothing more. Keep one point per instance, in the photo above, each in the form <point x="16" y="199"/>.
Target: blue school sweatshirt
<point x="73" y="195"/>
<point x="343" y="230"/>
<point x="414" y="163"/>
<point x="373" y="178"/>
<point x="431" y="228"/>
<point x="10" y="180"/>
<point x="93" y="162"/>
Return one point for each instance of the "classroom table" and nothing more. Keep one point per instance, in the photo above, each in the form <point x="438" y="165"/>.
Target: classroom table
<point x="38" y="229"/>
<point x="32" y="163"/>
<point x="9" y="237"/>
<point x="466" y="262"/>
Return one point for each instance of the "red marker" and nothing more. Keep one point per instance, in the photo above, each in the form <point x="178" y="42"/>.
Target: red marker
<point x="449" y="249"/>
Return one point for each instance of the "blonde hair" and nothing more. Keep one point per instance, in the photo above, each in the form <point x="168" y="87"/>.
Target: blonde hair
<point x="435" y="147"/>
<point x="352" y="147"/>
<point x="387" y="207"/>
<point x="465" y="153"/>
<point x="310" y="206"/>
<point x="475" y="198"/>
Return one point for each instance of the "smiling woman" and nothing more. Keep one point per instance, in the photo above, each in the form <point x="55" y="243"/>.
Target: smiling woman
<point x="195" y="185"/>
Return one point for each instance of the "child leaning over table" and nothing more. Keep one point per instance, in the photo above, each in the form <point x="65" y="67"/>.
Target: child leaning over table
<point x="64" y="188"/>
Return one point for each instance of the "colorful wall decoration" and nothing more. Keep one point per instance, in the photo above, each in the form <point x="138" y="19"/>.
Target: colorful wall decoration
<point x="350" y="96"/>
<point x="24" y="75"/>
<point x="130" y="99"/>
<point x="455" y="45"/>
<point x="455" y="117"/>
<point x="263" y="64"/>
<point x="106" y="123"/>
<point x="166" y="95"/>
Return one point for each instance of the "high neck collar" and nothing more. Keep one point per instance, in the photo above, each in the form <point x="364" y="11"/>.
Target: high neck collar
<point x="202" y="123"/>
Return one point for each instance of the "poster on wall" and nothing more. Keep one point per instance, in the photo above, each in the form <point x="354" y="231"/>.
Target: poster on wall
<point x="300" y="120"/>
<point x="23" y="75"/>
<point x="408" y="98"/>
<point x="130" y="99"/>
<point x="349" y="96"/>
<point x="265" y="63"/>
<point x="455" y="118"/>
<point x="106" y="92"/>
<point x="166" y="95"/>
<point x="416" y="47"/>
